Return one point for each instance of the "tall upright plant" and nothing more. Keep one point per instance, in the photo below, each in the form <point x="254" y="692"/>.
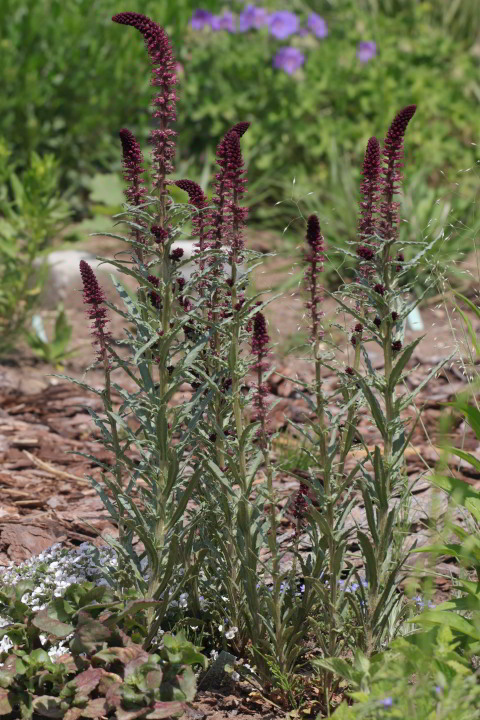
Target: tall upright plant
<point x="196" y="505"/>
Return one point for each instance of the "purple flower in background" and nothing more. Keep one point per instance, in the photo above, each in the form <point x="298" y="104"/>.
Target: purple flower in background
<point x="282" y="24"/>
<point x="317" y="25"/>
<point x="224" y="22"/>
<point x="366" y="51"/>
<point x="253" y="17"/>
<point x="387" y="702"/>
<point x="200" y="18"/>
<point x="288" y="59"/>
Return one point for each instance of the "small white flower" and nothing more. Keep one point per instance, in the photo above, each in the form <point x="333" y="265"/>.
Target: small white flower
<point x="231" y="633"/>
<point x="193" y="627"/>
<point x="225" y="599"/>
<point x="235" y="676"/>
<point x="220" y="628"/>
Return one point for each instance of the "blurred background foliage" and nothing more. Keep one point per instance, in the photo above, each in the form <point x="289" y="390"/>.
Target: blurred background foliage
<point x="71" y="79"/>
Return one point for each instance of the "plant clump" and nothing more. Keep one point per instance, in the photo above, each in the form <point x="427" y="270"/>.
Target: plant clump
<point x="193" y="490"/>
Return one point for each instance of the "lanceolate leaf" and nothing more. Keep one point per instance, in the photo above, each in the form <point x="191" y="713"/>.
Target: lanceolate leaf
<point x="450" y="619"/>
<point x="370" y="561"/>
<point x="468" y="457"/>
<point x="377" y="412"/>
<point x="401" y="363"/>
<point x="405" y="401"/>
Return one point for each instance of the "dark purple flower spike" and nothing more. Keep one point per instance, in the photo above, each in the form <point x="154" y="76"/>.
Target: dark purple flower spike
<point x="229" y="186"/>
<point x="392" y="175"/>
<point x="370" y="187"/>
<point x="164" y="78"/>
<point x="314" y="257"/>
<point x="132" y="165"/>
<point x="199" y="200"/>
<point x="94" y="297"/>
<point x="260" y="348"/>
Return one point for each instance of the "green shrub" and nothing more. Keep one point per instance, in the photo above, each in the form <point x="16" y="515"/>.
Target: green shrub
<point x="32" y="212"/>
<point x="69" y="85"/>
<point x="421" y="677"/>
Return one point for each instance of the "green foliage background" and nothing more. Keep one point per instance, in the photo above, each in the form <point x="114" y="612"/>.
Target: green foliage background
<point x="71" y="79"/>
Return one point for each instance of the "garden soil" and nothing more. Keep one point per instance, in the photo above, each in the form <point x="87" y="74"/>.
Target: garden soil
<point x="44" y="423"/>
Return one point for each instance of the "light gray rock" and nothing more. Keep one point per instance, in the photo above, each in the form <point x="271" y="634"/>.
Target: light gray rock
<point x="64" y="274"/>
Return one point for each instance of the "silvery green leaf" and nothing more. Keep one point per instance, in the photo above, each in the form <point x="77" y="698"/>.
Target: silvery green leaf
<point x="193" y="353"/>
<point x="400" y="443"/>
<point x="380" y="479"/>
<point x="154" y="339"/>
<point x="389" y="588"/>
<point x="321" y="522"/>
<point x="349" y="309"/>
<point x="370" y="561"/>
<point x="131" y="306"/>
<point x="81" y="384"/>
<point x="220" y="476"/>
<point x="370" y="514"/>
<point x="312" y="405"/>
<point x="377" y="412"/>
<point x="366" y="357"/>
<point x="92" y="458"/>
<point x="185" y="497"/>
<point x="351" y="598"/>
<point x="386" y="539"/>
<point x="403" y="402"/>
<point x="247" y="433"/>
<point x="405" y="356"/>
<point x="144" y="370"/>
<point x="252" y="469"/>
<point x="101" y="425"/>
<point x="105" y="499"/>
<point x="413" y="262"/>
